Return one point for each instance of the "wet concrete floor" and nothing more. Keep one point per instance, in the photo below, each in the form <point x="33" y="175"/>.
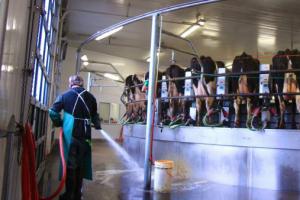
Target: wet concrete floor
<point x="113" y="181"/>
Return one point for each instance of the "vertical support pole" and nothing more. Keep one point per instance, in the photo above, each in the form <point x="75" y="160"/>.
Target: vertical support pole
<point x="89" y="82"/>
<point x="151" y="100"/>
<point x="78" y="61"/>
<point x="3" y="31"/>
<point x="8" y="182"/>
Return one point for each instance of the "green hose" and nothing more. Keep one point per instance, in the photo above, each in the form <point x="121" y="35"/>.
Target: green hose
<point x="205" y="119"/>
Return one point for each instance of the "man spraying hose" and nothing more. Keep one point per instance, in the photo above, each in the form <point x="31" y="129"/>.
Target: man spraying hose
<point x="80" y="110"/>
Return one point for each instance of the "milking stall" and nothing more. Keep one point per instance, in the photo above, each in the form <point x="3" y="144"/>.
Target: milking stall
<point x="150" y="100"/>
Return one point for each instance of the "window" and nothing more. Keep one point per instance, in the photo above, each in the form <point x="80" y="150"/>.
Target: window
<point x="42" y="69"/>
<point x="104" y="112"/>
<point x="114" y="112"/>
<point x="109" y="112"/>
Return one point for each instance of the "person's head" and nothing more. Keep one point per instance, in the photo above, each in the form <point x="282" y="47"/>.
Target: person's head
<point x="75" y="80"/>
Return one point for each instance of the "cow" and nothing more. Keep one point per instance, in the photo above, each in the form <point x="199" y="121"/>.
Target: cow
<point x="158" y="92"/>
<point x="286" y="82"/>
<point x="176" y="108"/>
<point x="135" y="104"/>
<point x="244" y="84"/>
<point x="158" y="86"/>
<point x="204" y="85"/>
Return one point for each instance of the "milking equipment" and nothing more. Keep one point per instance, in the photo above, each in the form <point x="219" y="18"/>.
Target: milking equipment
<point x="164" y="102"/>
<point x="188" y="92"/>
<point x="264" y="82"/>
<point x="222" y="89"/>
<point x="288" y="76"/>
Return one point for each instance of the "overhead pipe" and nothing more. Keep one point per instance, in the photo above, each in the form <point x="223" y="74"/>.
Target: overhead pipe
<point x="196" y="53"/>
<point x="137" y="18"/>
<point x="163" y="46"/>
<point x="146" y="15"/>
<point x="102" y="63"/>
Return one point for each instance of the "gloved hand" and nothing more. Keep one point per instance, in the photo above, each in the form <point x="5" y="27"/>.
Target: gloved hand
<point x="96" y="122"/>
<point x="98" y="128"/>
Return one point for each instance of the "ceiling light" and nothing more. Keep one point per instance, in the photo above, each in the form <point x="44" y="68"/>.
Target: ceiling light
<point x="210" y="33"/>
<point x="118" y="64"/>
<point x="228" y="65"/>
<point x="112" y="76"/>
<point x="7" y="68"/>
<point x="109" y="33"/>
<point x="85" y="63"/>
<point x="188" y="31"/>
<point x="266" y="40"/>
<point x="211" y="42"/>
<point x="84" y="58"/>
<point x="201" y="22"/>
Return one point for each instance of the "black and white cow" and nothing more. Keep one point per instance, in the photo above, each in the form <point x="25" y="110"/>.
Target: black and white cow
<point x="286" y="82"/>
<point x="244" y="84"/>
<point x="175" y="89"/>
<point x="135" y="104"/>
<point x="204" y="85"/>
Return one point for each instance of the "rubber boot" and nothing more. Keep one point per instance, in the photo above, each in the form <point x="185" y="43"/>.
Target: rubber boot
<point x="71" y="182"/>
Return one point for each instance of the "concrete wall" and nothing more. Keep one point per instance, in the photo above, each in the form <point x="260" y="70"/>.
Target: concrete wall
<point x="102" y="94"/>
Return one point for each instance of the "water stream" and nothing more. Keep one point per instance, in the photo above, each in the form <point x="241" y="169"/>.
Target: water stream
<point x="129" y="161"/>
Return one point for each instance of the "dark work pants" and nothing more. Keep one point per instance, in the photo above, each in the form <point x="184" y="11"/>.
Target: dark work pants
<point x="75" y="169"/>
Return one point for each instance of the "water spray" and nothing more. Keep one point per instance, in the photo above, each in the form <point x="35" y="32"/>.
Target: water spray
<point x="130" y="162"/>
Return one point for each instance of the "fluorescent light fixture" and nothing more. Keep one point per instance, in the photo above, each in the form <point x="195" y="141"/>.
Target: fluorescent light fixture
<point x="190" y="30"/>
<point x="112" y="76"/>
<point x="85" y="63"/>
<point x="210" y="33"/>
<point x="8" y="28"/>
<point x="228" y="65"/>
<point x="211" y="42"/>
<point x="118" y="64"/>
<point x="109" y="33"/>
<point x="7" y="68"/>
<point x="201" y="22"/>
<point x="266" y="40"/>
<point x="14" y="25"/>
<point x="84" y="58"/>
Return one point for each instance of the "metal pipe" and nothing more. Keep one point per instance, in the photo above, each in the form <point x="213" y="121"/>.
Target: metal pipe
<point x="184" y="39"/>
<point x="105" y="63"/>
<point x="234" y="95"/>
<point x="225" y="74"/>
<point x="89" y="82"/>
<point x="78" y="61"/>
<point x="224" y="96"/>
<point x="151" y="101"/>
<point x="3" y="31"/>
<point x="112" y="66"/>
<point x="145" y="15"/>
<point x="87" y="70"/>
<point x="108" y="86"/>
<point x="179" y="50"/>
